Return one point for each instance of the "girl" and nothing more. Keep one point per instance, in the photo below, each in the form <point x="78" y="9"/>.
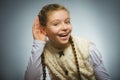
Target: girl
<point x="65" y="57"/>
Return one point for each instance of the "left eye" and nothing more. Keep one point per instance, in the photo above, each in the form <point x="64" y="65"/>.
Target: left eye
<point x="67" y="22"/>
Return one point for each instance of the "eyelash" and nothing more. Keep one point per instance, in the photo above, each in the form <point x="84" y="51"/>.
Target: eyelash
<point x="67" y="22"/>
<point x="56" y="24"/>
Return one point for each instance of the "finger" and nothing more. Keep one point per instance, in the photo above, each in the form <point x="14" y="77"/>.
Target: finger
<point x="33" y="27"/>
<point x="37" y="24"/>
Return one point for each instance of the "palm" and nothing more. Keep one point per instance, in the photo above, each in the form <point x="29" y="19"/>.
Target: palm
<point x="37" y="30"/>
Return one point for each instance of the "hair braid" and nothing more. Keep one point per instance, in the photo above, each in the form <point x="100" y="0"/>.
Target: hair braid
<point x="76" y="60"/>
<point x="43" y="66"/>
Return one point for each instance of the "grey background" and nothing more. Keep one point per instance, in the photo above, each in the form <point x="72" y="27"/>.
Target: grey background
<point x="96" y="20"/>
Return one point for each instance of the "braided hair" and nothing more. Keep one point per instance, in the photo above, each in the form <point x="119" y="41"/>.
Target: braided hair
<point x="43" y="66"/>
<point x="76" y="61"/>
<point x="43" y="18"/>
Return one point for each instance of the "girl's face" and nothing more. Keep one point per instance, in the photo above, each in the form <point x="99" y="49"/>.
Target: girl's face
<point x="58" y="27"/>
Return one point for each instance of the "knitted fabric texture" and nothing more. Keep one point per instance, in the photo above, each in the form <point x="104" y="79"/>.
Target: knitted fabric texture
<point x="59" y="66"/>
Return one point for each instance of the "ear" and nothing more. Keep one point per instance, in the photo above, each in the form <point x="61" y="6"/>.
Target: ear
<point x="44" y="31"/>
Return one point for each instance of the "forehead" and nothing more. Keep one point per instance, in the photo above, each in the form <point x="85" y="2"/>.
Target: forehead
<point x="59" y="14"/>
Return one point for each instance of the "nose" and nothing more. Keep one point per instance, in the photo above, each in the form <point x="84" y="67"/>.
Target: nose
<point x="63" y="26"/>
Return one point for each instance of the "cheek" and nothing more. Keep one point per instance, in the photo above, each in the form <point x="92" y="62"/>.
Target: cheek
<point x="70" y="28"/>
<point x="51" y="31"/>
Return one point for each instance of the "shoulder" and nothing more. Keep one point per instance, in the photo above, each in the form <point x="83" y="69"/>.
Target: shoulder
<point x="95" y="55"/>
<point x="89" y="47"/>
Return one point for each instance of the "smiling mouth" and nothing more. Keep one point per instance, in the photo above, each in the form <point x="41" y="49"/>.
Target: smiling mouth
<point x="64" y="36"/>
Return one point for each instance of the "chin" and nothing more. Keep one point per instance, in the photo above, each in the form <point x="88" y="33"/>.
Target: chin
<point x="65" y="42"/>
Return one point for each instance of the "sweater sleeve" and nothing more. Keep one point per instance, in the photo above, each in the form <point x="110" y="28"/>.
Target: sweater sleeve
<point x="34" y="68"/>
<point x="97" y="64"/>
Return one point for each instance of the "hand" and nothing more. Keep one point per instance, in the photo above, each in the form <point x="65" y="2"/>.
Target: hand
<point x="38" y="31"/>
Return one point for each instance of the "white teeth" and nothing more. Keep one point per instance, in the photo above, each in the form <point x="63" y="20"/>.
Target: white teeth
<point x="63" y="35"/>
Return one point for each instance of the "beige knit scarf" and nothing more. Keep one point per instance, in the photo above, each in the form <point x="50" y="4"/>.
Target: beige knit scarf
<point x="64" y="68"/>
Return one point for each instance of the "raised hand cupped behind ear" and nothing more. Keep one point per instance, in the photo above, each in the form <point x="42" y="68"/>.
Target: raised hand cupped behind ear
<point x="38" y="31"/>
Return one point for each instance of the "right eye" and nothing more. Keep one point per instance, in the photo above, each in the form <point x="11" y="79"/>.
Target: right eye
<point x="55" y="24"/>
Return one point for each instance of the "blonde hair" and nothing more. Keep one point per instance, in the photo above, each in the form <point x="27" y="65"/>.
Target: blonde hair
<point x="46" y="10"/>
